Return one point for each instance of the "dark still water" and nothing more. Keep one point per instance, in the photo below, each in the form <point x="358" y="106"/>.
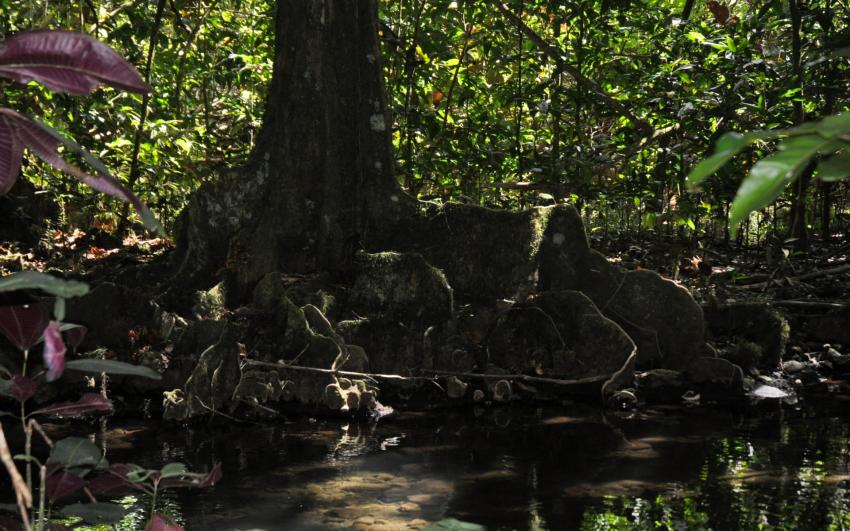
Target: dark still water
<point x="569" y="467"/>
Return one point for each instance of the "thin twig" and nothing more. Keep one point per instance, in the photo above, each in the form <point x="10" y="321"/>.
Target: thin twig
<point x="520" y="377"/>
<point x="799" y="278"/>
<point x="22" y="491"/>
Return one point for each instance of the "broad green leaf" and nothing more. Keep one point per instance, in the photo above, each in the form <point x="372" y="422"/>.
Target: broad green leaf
<point x="76" y="452"/>
<point x="96" y="513"/>
<point x="112" y="367"/>
<point x="835" y="168"/>
<point x="729" y="145"/>
<point x="770" y="175"/>
<point x="48" y="283"/>
<point x="173" y="470"/>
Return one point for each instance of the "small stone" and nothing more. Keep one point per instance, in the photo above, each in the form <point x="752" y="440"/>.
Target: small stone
<point x="478" y="396"/>
<point x="455" y="388"/>
<point x="502" y="391"/>
<point x="793" y="366"/>
<point x="409" y="507"/>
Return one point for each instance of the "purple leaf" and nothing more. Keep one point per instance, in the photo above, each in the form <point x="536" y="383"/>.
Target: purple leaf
<point x="54" y="351"/>
<point x="10" y="523"/>
<point x="23" y="324"/>
<point x="22" y="388"/>
<point x="114" y="482"/>
<point x="162" y="523"/>
<point x="43" y="140"/>
<point x="11" y="153"/>
<point x="61" y="483"/>
<point x="87" y="403"/>
<point x="74" y="336"/>
<point x="67" y="61"/>
<point x="195" y="480"/>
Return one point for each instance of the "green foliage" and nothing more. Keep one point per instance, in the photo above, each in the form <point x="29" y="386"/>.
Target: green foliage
<point x="767" y="179"/>
<point x="482" y="112"/>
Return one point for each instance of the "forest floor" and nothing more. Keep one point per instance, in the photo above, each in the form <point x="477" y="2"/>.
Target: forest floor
<point x="809" y="289"/>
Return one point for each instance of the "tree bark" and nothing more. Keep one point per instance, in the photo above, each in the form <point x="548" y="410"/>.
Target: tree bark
<point x="320" y="182"/>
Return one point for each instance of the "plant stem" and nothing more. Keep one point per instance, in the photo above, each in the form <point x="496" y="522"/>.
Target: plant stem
<point x="23" y="494"/>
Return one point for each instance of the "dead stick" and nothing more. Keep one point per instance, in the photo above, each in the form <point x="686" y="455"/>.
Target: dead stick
<point x="350" y="374"/>
<point x="814" y="305"/>
<point x="22" y="492"/>
<point x="806" y="276"/>
<point x="430" y="379"/>
<point x="520" y="377"/>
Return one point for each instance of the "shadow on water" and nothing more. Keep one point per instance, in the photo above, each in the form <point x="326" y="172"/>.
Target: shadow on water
<point x="775" y="466"/>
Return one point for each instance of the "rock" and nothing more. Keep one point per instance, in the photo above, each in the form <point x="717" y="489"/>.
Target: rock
<point x="716" y="377"/>
<point x="455" y="389"/>
<point x="211" y="386"/>
<point x="486" y="254"/>
<point x="661" y="385"/>
<point x="210" y="303"/>
<point x="391" y="346"/>
<point x="768" y="391"/>
<point x="502" y="391"/>
<point x="660" y="316"/>
<point x="400" y="286"/>
<point x="833" y="327"/>
<point x="754" y="322"/>
<point x="558" y="333"/>
<point x="259" y="386"/>
<point x="793" y="366"/>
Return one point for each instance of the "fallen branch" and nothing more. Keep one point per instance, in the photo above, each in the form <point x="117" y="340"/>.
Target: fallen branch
<point x="347" y="374"/>
<point x="800" y="278"/>
<point x="813" y="305"/>
<point x="519" y="377"/>
<point x="436" y="374"/>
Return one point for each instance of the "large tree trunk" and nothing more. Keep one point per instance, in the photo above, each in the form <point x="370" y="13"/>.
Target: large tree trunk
<point x="320" y="183"/>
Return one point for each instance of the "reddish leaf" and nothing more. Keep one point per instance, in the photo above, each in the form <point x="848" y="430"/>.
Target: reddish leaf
<point x="61" y="483"/>
<point x="114" y="482"/>
<point x="87" y="403"/>
<point x="162" y="523"/>
<point x="54" y="351"/>
<point x="22" y="388"/>
<point x="43" y="140"/>
<point x="74" y="336"/>
<point x="199" y="481"/>
<point x="23" y="324"/>
<point x="67" y="61"/>
<point x="11" y="153"/>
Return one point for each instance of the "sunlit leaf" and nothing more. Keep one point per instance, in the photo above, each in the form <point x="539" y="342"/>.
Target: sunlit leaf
<point x="112" y="367"/>
<point x="769" y="176"/>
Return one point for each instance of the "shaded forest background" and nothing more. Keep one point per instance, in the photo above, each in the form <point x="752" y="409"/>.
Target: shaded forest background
<point x="606" y="105"/>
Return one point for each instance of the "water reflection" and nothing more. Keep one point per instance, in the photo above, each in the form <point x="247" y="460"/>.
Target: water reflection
<point x="774" y="466"/>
